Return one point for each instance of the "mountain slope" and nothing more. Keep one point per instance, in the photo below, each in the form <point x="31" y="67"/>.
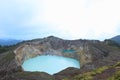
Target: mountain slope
<point x="116" y="39"/>
<point x="7" y="42"/>
<point x="92" y="54"/>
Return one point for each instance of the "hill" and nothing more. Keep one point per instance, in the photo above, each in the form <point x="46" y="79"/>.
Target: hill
<point x="8" y="42"/>
<point x="94" y="56"/>
<point x="116" y="39"/>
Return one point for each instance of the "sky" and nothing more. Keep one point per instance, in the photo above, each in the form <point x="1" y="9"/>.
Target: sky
<point x="67" y="19"/>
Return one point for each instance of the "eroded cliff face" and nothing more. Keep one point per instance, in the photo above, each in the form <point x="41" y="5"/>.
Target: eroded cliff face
<point x="91" y="54"/>
<point x="77" y="49"/>
<point x="27" y="51"/>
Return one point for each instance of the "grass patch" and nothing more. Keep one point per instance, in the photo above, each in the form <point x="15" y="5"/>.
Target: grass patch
<point x="100" y="70"/>
<point x="90" y="75"/>
<point x="116" y="76"/>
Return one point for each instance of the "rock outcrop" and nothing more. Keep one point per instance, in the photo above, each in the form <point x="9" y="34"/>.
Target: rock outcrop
<point x="54" y="46"/>
<point x="91" y="54"/>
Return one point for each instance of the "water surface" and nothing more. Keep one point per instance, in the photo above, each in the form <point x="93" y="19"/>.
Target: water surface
<point x="50" y="64"/>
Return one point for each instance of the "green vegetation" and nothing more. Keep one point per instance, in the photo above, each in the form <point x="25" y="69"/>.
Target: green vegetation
<point x="105" y="49"/>
<point x="91" y="75"/>
<point x="32" y="76"/>
<point x="7" y="58"/>
<point x="100" y="70"/>
<point x="65" y="79"/>
<point x="112" y="43"/>
<point x="86" y="76"/>
<point x="116" y="76"/>
<point x="5" y="48"/>
<point x="117" y="64"/>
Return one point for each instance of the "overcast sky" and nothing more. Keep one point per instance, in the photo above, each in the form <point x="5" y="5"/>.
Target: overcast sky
<point x="68" y="19"/>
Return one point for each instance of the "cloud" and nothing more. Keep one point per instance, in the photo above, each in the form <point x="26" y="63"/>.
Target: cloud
<point x="13" y="17"/>
<point x="83" y="19"/>
<point x="70" y="19"/>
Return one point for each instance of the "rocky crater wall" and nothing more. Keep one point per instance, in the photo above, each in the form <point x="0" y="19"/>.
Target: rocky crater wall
<point x="29" y="50"/>
<point x="90" y="53"/>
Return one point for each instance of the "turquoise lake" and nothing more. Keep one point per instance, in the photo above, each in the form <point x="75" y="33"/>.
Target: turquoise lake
<point x="68" y="51"/>
<point x="49" y="64"/>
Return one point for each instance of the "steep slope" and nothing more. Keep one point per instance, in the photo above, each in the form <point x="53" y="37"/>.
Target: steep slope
<point x="116" y="39"/>
<point x="8" y="42"/>
<point x="91" y="54"/>
<point x="103" y="73"/>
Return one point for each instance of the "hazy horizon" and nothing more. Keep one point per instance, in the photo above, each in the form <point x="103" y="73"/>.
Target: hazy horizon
<point x="67" y="19"/>
<point x="55" y="36"/>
